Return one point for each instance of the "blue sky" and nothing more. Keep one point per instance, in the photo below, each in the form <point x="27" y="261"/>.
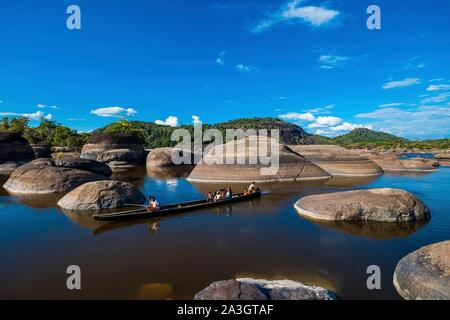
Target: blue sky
<point x="314" y="63"/>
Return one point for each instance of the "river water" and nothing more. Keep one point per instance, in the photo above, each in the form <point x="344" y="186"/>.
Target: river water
<point x="178" y="256"/>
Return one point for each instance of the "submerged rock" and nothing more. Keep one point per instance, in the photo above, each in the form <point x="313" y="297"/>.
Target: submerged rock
<point x="390" y="205"/>
<point x="42" y="176"/>
<point x="425" y="273"/>
<point x="246" y="164"/>
<point x="443" y="158"/>
<point x="258" y="289"/>
<point x="101" y="195"/>
<point x="338" y="161"/>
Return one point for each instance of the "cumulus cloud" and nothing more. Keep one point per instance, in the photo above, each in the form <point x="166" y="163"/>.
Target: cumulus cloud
<point x="325" y="121"/>
<point x="171" y="121"/>
<point x="294" y="12"/>
<point x="116" y="112"/>
<point x="245" y="68"/>
<point x="294" y="116"/>
<point x="324" y="125"/>
<point x="32" y="116"/>
<point x="401" y="83"/>
<point x="438" y="87"/>
<point x="347" y="126"/>
<point x="221" y="58"/>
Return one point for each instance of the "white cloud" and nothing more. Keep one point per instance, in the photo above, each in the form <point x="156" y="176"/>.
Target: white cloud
<point x="117" y="112"/>
<point x="325" y="121"/>
<point x="43" y="106"/>
<point x="328" y="61"/>
<point x="196" y="119"/>
<point x="320" y="131"/>
<point x="436" y="99"/>
<point x="419" y="122"/>
<point x="221" y="58"/>
<point x="293" y="12"/>
<point x="347" y="126"/>
<point x="171" y="121"/>
<point x="244" y="68"/>
<point x="383" y="113"/>
<point x="32" y="116"/>
<point x="316" y="16"/>
<point x="436" y="80"/>
<point x="308" y="116"/>
<point x="415" y="63"/>
<point x="401" y="83"/>
<point x="394" y="104"/>
<point x="438" y="87"/>
<point x="325" y="109"/>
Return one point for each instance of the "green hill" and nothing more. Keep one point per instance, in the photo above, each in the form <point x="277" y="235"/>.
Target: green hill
<point x="364" y="135"/>
<point x="155" y="136"/>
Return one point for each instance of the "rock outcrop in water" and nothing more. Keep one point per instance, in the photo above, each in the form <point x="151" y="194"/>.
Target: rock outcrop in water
<point x="101" y="195"/>
<point x="162" y="157"/>
<point x="15" y="150"/>
<point x="292" y="166"/>
<point x="118" y="150"/>
<point x="443" y="158"/>
<point x="44" y="176"/>
<point x="390" y="205"/>
<point x="338" y="161"/>
<point x="392" y="163"/>
<point x="257" y="289"/>
<point x="425" y="273"/>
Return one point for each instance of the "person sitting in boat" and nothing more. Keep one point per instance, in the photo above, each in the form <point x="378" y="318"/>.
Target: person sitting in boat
<point x="222" y="194"/>
<point x="217" y="196"/>
<point x="245" y="192"/>
<point x="153" y="205"/>
<point x="210" y="197"/>
<point x="228" y="193"/>
<point x="252" y="188"/>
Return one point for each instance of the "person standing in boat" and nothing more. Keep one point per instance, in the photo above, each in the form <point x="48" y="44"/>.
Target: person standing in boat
<point x="153" y="205"/>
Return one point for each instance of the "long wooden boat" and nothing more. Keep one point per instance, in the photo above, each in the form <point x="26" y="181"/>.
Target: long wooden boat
<point x="173" y="208"/>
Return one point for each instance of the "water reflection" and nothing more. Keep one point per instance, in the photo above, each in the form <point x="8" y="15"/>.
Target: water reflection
<point x="39" y="201"/>
<point x="155" y="291"/>
<point x="374" y="229"/>
<point x="181" y="171"/>
<point x="3" y="180"/>
<point x="135" y="175"/>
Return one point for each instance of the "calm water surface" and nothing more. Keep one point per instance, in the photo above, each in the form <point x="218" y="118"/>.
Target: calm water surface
<point x="177" y="256"/>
